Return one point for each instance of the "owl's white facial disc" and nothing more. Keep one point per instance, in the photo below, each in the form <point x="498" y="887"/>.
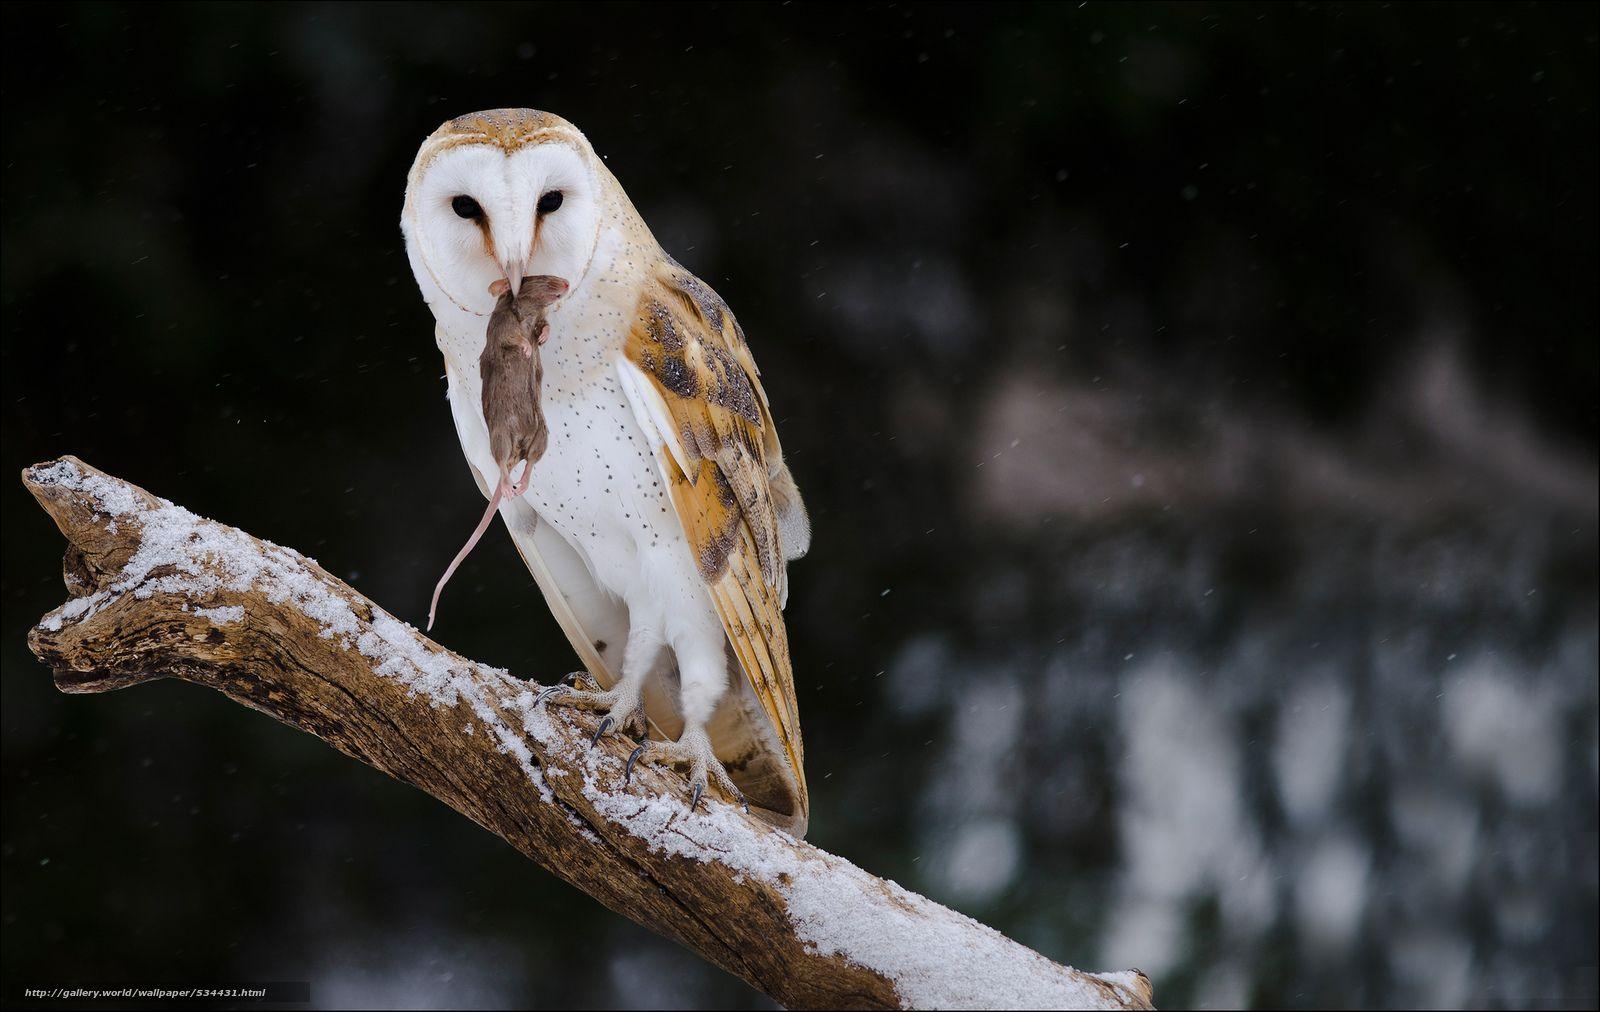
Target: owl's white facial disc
<point x="476" y="214"/>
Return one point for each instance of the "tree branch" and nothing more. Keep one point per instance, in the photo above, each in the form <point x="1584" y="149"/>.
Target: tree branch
<point x="160" y="592"/>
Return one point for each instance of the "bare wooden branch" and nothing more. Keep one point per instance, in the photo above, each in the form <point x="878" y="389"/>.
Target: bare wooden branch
<point x="159" y="592"/>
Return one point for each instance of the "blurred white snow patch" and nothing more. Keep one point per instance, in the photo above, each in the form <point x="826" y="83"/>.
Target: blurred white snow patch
<point x="1182" y="820"/>
<point x="1225" y="985"/>
<point x="1439" y="824"/>
<point x="1433" y="967"/>
<point x="981" y="860"/>
<point x="916" y="676"/>
<point x="989" y="721"/>
<point x="1312" y="728"/>
<point x="1330" y="893"/>
<point x="412" y="970"/>
<point x="1522" y="914"/>
<point x="1503" y="728"/>
<point x="983" y="742"/>
<point x="1146" y="932"/>
<point x="648" y="977"/>
<point x="979" y="759"/>
<point x="1181" y="772"/>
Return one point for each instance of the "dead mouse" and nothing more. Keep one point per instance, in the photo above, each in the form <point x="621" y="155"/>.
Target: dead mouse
<point x="511" y="373"/>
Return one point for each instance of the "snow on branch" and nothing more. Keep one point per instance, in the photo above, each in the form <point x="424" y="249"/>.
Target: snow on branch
<point x="160" y="592"/>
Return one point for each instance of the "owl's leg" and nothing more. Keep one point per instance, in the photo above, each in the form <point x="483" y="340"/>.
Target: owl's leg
<point x="703" y="676"/>
<point x="693" y="750"/>
<point x="620" y="703"/>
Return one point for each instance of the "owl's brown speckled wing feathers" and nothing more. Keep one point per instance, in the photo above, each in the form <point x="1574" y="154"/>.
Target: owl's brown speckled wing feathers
<point x="690" y="374"/>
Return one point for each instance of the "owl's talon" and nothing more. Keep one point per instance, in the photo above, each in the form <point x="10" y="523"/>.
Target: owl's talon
<point x="572" y="678"/>
<point x="545" y="694"/>
<point x="692" y="749"/>
<point x="605" y="725"/>
<point x="627" y="773"/>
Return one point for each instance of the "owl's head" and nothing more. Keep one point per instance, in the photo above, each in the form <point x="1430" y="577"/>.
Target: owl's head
<point x="507" y="193"/>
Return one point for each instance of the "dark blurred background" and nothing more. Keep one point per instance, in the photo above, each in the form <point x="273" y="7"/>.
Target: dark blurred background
<point x="1196" y="406"/>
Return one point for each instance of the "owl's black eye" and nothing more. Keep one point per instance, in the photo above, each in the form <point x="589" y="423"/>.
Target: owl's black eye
<point x="550" y="201"/>
<point x="466" y="207"/>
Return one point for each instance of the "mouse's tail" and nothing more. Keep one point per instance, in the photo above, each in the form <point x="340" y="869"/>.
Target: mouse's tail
<point x="483" y="525"/>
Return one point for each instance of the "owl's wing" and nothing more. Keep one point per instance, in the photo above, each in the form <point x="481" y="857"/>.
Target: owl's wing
<point x="694" y="387"/>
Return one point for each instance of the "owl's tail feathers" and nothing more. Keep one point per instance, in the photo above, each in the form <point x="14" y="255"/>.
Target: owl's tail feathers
<point x="794" y="527"/>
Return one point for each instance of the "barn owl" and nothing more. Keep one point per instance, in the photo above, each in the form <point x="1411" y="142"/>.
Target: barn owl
<point x="660" y="522"/>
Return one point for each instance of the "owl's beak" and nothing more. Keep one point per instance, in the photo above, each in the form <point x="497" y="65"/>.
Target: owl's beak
<point x="514" y="270"/>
